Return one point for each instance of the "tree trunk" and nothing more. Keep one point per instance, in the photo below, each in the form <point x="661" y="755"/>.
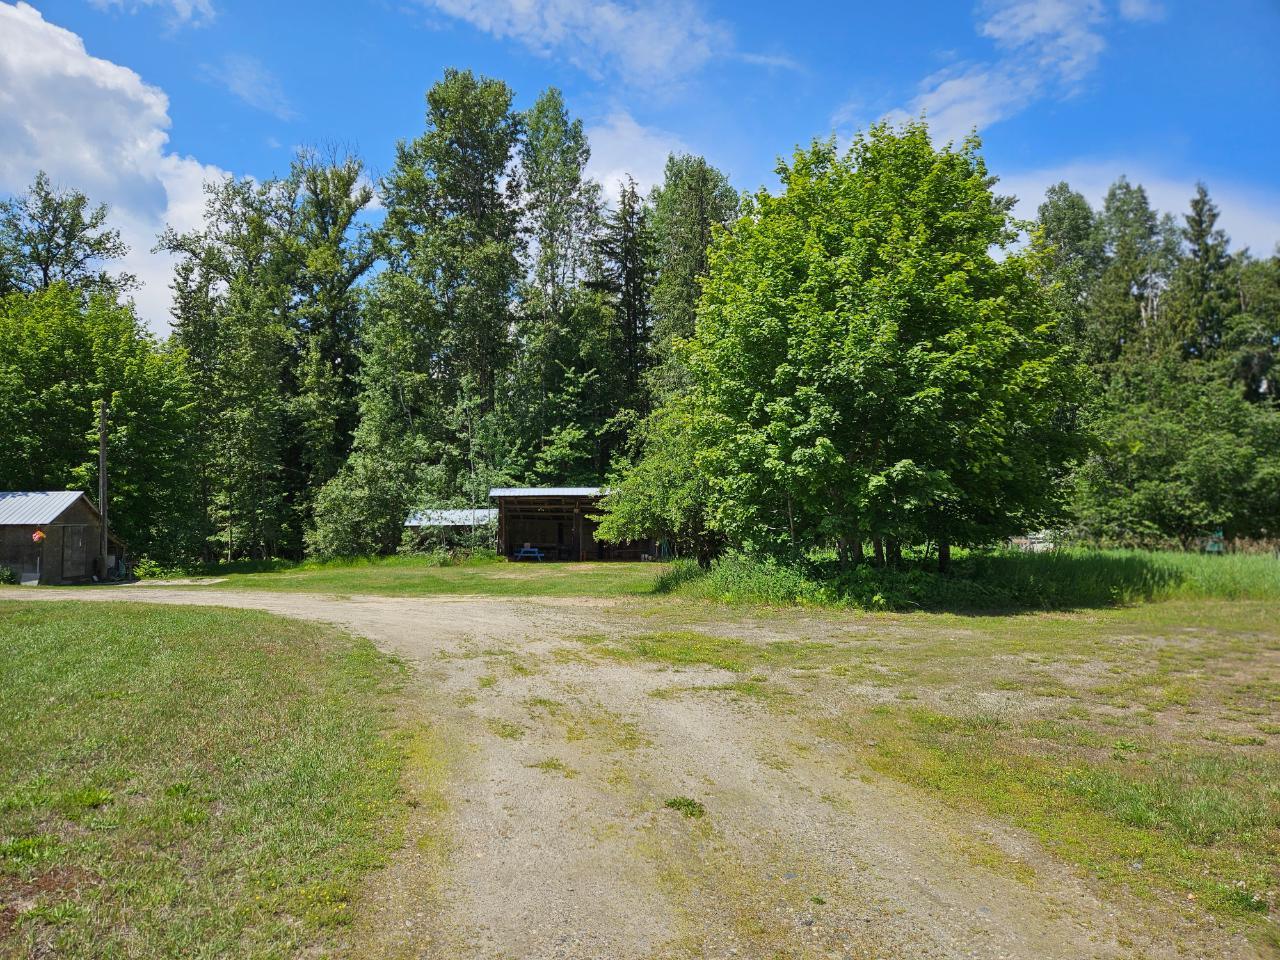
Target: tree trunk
<point x="878" y="545"/>
<point x="856" y="551"/>
<point x="944" y="556"/>
<point x="893" y="551"/>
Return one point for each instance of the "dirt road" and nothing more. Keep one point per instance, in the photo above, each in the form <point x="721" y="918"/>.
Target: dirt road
<point x="543" y="830"/>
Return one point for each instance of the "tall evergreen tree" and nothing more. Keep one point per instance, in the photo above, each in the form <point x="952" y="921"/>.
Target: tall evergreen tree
<point x="627" y="272"/>
<point x="693" y="199"/>
<point x="1140" y="249"/>
<point x="1200" y="298"/>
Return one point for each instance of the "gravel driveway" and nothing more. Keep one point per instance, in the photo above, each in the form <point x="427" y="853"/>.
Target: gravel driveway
<point x="551" y="837"/>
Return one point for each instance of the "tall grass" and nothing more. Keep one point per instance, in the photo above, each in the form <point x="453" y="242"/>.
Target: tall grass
<point x="996" y="580"/>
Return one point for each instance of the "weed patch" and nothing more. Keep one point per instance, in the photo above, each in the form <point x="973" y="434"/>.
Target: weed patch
<point x="687" y="806"/>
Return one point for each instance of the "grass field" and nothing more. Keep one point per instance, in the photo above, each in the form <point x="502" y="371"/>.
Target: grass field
<point x="417" y="577"/>
<point x="184" y="782"/>
<point x="981" y="582"/>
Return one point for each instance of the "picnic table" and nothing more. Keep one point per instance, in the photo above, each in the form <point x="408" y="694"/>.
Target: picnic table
<point x="528" y="553"/>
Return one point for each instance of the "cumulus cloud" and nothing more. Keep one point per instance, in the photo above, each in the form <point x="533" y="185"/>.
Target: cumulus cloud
<point x="181" y="12"/>
<point x="95" y="126"/>
<point x="646" y="43"/>
<point x="247" y="78"/>
<point x="1043" y="49"/>
<point x="1251" y="216"/>
<point x="620" y="147"/>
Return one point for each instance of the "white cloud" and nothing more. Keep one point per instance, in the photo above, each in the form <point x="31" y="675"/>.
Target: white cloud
<point x="181" y="12"/>
<point x="1250" y="216"/>
<point x="252" y="82"/>
<point x="621" y="146"/>
<point x="97" y="127"/>
<point x="1044" y="48"/>
<point x="648" y="44"/>
<point x="1142" y="9"/>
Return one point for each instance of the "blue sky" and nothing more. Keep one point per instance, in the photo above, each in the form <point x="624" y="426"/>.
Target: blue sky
<point x="138" y="101"/>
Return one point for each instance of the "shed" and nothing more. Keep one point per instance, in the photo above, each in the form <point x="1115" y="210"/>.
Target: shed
<point x="50" y="536"/>
<point x="557" y="521"/>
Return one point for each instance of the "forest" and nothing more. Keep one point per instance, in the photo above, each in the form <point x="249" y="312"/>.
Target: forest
<point x="875" y="356"/>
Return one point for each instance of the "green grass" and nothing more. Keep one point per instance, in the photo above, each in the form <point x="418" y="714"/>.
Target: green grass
<point x="981" y="581"/>
<point x="1198" y="824"/>
<point x="687" y="806"/>
<point x="420" y="577"/>
<point x="985" y="581"/>
<point x="188" y="782"/>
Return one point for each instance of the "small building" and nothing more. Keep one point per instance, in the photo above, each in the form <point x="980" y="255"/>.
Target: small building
<point x="51" y="536"/>
<point x="557" y="522"/>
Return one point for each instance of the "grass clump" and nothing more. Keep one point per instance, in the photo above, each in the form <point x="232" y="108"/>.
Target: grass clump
<point x="185" y="781"/>
<point x="554" y="765"/>
<point x="687" y="806"/>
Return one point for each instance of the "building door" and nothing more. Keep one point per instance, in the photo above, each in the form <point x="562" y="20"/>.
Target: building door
<point x="75" y="552"/>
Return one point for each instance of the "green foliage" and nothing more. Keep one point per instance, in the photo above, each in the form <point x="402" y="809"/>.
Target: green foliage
<point x="62" y="357"/>
<point x="50" y="236"/>
<point x="1182" y="454"/>
<point x="1182" y="336"/>
<point x="266" y="305"/>
<point x="863" y="367"/>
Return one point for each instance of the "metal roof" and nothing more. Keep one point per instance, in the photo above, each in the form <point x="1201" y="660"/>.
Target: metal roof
<point x="477" y="517"/>
<point x="545" y="492"/>
<point x="24" y="509"/>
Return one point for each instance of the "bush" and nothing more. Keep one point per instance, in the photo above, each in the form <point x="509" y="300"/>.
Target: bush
<point x="144" y="568"/>
<point x="8" y="576"/>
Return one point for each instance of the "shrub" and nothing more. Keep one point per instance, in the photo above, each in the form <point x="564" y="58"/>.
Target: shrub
<point x="8" y="576"/>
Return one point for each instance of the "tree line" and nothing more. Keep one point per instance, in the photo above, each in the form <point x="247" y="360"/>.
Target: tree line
<point x="872" y="359"/>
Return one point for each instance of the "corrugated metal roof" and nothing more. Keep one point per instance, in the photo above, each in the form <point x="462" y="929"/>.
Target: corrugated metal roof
<point x="453" y="518"/>
<point x="545" y="492"/>
<point x="24" y="509"/>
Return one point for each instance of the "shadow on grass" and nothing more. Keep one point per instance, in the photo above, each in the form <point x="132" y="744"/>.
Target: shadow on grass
<point x="996" y="582"/>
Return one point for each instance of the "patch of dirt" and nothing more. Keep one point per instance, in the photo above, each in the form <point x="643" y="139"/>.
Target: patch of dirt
<point x="546" y="835"/>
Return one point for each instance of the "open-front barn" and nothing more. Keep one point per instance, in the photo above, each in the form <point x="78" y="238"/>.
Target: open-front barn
<point x="555" y="523"/>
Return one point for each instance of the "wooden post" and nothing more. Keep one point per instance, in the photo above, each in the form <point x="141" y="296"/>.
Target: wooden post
<point x="104" y="535"/>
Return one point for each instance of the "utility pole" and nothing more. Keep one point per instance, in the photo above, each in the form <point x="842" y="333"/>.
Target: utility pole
<point x="104" y="542"/>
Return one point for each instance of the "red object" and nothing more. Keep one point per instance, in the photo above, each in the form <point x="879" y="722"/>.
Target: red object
<point x="38" y="537"/>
